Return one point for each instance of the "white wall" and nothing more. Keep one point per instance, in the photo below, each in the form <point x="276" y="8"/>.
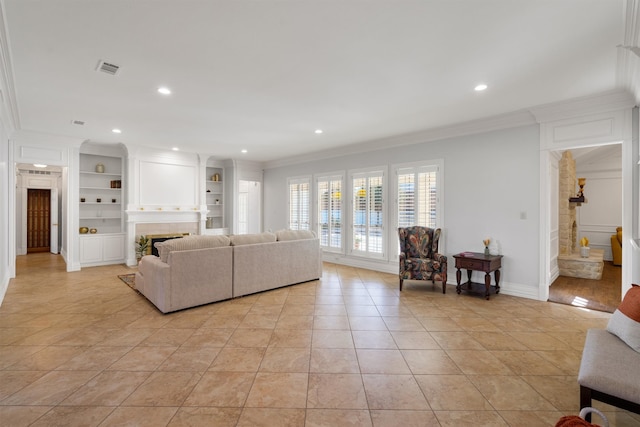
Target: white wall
<point x="5" y="188"/>
<point x="598" y="218"/>
<point x="490" y="184"/>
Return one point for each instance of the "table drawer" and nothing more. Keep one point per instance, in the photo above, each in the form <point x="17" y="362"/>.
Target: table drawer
<point x="469" y="264"/>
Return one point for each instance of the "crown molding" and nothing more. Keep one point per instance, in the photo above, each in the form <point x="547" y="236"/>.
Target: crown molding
<point x="628" y="72"/>
<point x="487" y="124"/>
<point x="628" y="66"/>
<point x="632" y="23"/>
<point x="7" y="88"/>
<point x="614" y="100"/>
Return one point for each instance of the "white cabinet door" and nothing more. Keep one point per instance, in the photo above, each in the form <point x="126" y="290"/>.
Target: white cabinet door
<point x="113" y="247"/>
<point x="101" y="249"/>
<point x="90" y="249"/>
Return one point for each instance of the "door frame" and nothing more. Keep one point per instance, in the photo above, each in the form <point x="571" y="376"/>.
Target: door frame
<point x="53" y="222"/>
<point x="621" y="132"/>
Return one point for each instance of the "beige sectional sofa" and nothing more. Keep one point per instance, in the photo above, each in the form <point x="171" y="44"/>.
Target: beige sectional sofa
<point x="287" y="257"/>
<point x="198" y="270"/>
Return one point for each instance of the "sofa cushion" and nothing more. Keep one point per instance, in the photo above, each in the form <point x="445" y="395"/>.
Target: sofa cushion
<point x="608" y="366"/>
<point x="250" y="239"/>
<point x="190" y="242"/>
<point x="284" y="235"/>
<point x="625" y="321"/>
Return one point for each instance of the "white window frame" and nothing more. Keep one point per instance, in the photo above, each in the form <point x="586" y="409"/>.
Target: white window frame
<point x="301" y="223"/>
<point x="436" y="165"/>
<point x="331" y="177"/>
<point x="367" y="173"/>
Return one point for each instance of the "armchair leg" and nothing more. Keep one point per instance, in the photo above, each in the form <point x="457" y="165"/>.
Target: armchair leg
<point x="585" y="400"/>
<point x="444" y="282"/>
<point x="401" y="284"/>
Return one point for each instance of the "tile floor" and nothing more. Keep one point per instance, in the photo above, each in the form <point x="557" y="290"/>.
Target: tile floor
<point x="83" y="349"/>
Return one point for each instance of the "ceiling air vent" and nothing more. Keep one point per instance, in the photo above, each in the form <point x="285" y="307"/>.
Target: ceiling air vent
<point x="77" y="122"/>
<point x="107" y="67"/>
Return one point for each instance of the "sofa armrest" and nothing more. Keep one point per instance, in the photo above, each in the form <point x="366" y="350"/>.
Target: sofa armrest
<point x="200" y="276"/>
<point x="153" y="280"/>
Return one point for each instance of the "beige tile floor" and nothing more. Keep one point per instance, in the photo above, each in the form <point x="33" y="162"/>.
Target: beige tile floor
<point x="83" y="349"/>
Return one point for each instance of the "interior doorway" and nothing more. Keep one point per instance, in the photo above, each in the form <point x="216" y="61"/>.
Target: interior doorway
<point x="596" y="219"/>
<point x="38" y="220"/>
<point x="39" y="202"/>
<point x="249" y="207"/>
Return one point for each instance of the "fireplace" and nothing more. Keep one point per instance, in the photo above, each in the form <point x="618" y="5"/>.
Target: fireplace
<point x="162" y="224"/>
<point x="156" y="238"/>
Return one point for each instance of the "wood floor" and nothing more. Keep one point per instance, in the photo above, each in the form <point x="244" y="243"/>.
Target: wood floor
<point x="602" y="295"/>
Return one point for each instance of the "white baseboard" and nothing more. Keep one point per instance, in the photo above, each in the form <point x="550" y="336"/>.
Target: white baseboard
<point x="367" y="264"/>
<point x="520" y="290"/>
<point x="70" y="266"/>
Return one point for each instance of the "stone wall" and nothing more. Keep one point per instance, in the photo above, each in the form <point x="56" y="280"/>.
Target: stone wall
<point x="567" y="227"/>
<point x="586" y="268"/>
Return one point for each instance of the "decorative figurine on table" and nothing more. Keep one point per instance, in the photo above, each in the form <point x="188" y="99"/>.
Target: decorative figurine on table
<point x="486" y="246"/>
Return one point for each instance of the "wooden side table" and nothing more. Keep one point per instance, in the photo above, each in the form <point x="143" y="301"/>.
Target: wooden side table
<point x="479" y="262"/>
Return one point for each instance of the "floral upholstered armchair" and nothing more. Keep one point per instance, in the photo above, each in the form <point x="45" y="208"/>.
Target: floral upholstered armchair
<point x="419" y="257"/>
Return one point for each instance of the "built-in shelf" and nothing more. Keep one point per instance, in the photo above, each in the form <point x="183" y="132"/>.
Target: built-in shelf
<point x="214" y="197"/>
<point x="101" y="178"/>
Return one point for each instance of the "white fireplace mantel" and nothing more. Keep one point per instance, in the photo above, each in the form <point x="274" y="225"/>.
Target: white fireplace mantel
<point x="164" y="214"/>
<point x="192" y="220"/>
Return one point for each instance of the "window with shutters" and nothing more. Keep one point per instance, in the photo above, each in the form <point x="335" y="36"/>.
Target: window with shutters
<point x="418" y="196"/>
<point x="329" y="211"/>
<point x="367" y="213"/>
<point x="299" y="203"/>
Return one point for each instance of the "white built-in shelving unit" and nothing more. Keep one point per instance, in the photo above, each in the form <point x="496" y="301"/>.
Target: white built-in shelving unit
<point x="101" y="206"/>
<point x="214" y="194"/>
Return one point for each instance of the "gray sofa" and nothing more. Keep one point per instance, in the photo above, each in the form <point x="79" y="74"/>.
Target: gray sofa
<point x="197" y="270"/>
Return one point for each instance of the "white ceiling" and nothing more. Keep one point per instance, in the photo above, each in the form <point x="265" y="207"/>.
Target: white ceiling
<point x="263" y="75"/>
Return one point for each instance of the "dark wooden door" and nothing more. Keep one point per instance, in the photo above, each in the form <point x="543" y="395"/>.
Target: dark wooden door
<point x="38" y="220"/>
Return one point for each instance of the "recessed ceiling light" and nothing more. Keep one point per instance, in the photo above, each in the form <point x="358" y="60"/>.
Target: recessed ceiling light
<point x="480" y="87"/>
<point x="39" y="165"/>
<point x="164" y="90"/>
<point x="318" y="131"/>
<point x="243" y="151"/>
<point x="116" y="131"/>
<point x="175" y="149"/>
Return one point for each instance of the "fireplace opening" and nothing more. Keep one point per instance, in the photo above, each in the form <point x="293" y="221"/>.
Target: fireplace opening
<point x="156" y="238"/>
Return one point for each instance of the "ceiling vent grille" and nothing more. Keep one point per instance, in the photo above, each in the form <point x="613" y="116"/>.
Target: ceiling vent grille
<point x="109" y="68"/>
<point x="77" y="122"/>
